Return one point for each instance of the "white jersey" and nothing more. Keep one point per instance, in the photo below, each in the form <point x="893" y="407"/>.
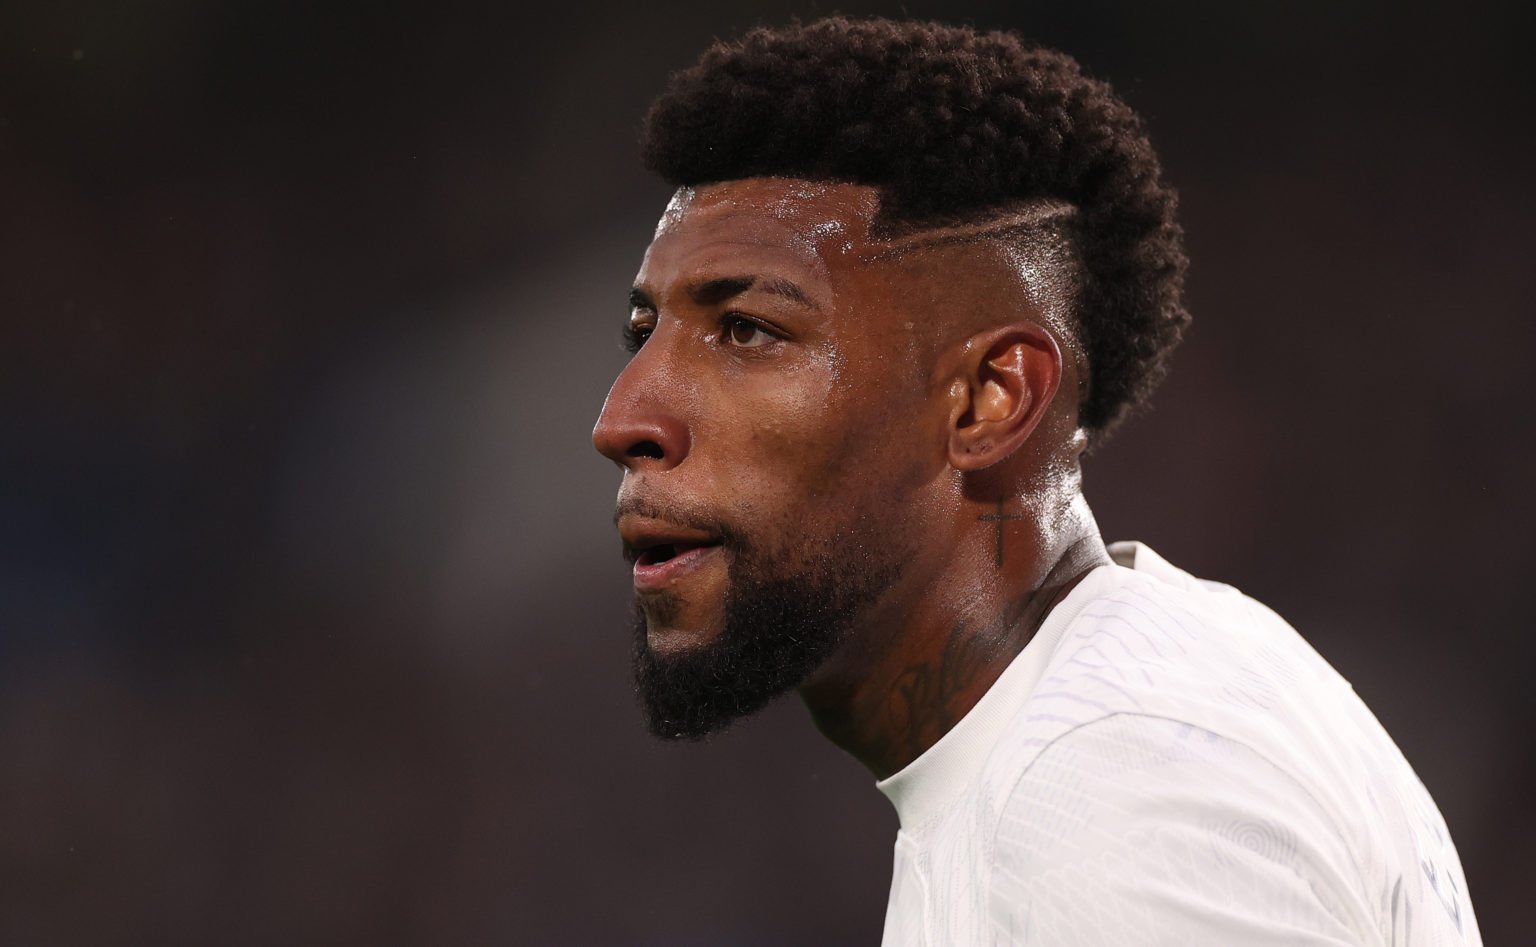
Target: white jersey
<point x="1168" y="762"/>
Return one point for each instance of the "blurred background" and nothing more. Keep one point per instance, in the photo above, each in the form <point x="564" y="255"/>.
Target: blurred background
<point x="312" y="619"/>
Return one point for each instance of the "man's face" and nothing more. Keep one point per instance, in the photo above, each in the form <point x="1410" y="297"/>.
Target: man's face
<point x="774" y="429"/>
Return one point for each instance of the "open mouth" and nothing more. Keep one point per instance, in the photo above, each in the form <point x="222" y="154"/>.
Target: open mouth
<point x="665" y="552"/>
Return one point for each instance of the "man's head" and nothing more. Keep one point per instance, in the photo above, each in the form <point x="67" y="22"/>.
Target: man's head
<point x="908" y="268"/>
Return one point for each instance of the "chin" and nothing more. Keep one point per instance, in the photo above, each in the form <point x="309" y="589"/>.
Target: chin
<point x="761" y="629"/>
<point x="671" y="642"/>
<point x="670" y="630"/>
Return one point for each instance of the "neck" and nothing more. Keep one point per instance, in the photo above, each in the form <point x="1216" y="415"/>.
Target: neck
<point x="932" y="653"/>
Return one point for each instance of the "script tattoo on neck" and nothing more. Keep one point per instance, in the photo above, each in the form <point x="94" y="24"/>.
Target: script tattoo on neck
<point x="929" y="699"/>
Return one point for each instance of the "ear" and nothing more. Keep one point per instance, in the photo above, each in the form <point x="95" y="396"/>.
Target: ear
<point x="1004" y="383"/>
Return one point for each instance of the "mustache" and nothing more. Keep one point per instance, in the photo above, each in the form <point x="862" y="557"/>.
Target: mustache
<point x="678" y="513"/>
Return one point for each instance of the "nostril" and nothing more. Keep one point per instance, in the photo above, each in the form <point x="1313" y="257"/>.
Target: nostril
<point x="649" y="449"/>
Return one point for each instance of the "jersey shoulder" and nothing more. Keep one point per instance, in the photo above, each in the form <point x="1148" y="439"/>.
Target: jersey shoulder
<point x="1180" y="723"/>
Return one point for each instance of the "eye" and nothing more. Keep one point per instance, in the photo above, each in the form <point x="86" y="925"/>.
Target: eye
<point x="744" y="333"/>
<point x="635" y="335"/>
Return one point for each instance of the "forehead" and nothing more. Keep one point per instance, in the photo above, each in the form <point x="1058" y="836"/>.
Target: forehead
<point x="809" y="225"/>
<point x="822" y="237"/>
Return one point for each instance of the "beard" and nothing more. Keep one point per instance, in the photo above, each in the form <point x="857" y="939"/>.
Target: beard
<point x="779" y="625"/>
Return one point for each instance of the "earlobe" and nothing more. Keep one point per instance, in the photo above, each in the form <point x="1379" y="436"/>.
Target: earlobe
<point x="1008" y="378"/>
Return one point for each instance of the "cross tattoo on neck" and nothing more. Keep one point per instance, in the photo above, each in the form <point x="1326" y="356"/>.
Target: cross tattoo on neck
<point x="997" y="519"/>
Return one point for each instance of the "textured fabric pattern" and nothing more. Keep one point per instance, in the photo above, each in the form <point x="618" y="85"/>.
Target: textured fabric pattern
<point x="1168" y="762"/>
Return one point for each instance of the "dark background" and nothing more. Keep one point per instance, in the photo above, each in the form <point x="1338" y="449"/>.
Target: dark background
<point x="313" y="622"/>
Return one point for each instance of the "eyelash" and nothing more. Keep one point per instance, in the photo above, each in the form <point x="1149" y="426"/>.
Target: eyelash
<point x="634" y="337"/>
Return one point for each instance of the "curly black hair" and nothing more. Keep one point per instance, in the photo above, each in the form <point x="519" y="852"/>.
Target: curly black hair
<point x="950" y="124"/>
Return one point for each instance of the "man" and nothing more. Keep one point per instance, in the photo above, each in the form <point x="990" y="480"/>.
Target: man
<point x="909" y="276"/>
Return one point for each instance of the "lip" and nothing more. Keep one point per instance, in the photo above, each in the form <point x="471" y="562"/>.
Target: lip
<point x="679" y="549"/>
<point x="655" y="576"/>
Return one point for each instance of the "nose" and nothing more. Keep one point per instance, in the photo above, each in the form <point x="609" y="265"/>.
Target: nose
<point x="639" y="427"/>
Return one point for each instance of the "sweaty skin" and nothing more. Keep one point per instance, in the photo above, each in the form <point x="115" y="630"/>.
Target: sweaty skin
<point x="810" y="384"/>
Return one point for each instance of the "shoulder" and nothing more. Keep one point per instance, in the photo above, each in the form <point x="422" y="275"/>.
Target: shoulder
<point x="1161" y="643"/>
<point x="1133" y="829"/>
<point x="1158" y="643"/>
<point x="1167" y="672"/>
<point x="1188" y="770"/>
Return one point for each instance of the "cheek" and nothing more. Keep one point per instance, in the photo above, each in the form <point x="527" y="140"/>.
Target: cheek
<point x="780" y="435"/>
<point x="840" y="444"/>
<point x="795" y="430"/>
<point x="833" y="429"/>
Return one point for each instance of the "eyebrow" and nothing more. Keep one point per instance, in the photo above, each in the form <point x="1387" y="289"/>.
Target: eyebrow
<point x="714" y="291"/>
